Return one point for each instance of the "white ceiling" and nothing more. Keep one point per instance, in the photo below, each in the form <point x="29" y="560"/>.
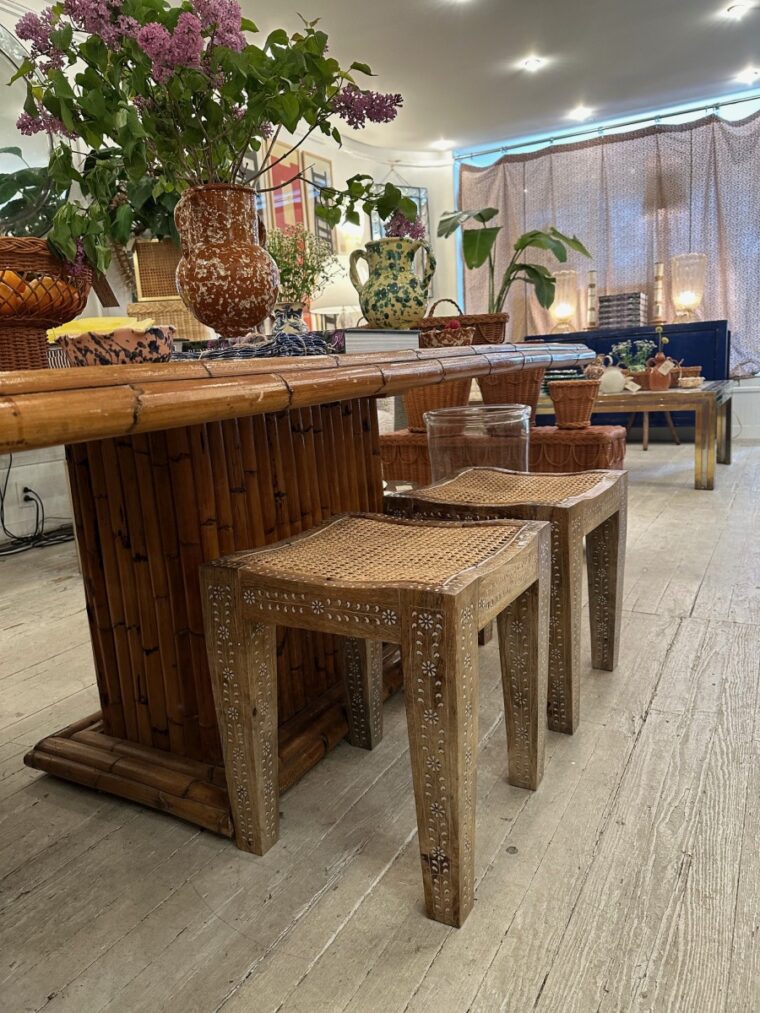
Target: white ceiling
<point x="455" y="60"/>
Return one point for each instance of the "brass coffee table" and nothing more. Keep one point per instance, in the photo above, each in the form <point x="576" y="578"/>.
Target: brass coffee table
<point x="711" y="404"/>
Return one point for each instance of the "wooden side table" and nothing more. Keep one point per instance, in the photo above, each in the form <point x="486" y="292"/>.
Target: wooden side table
<point x="711" y="405"/>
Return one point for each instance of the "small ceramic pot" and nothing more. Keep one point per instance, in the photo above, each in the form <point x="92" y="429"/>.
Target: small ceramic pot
<point x="120" y="347"/>
<point x="288" y="319"/>
<point x="573" y="402"/>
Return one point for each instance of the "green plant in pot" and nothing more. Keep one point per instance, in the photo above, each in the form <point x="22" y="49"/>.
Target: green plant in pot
<point x="306" y="264"/>
<point x="179" y="95"/>
<point x="478" y="250"/>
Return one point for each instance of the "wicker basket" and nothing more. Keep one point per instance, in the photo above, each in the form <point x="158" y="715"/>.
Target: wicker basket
<point x="573" y="402"/>
<point x="37" y="291"/>
<point x="155" y="262"/>
<point x="683" y="371"/>
<point x="418" y="400"/>
<point x="447" y="337"/>
<point x="172" y="312"/>
<point x="523" y="386"/>
<point x="490" y="328"/>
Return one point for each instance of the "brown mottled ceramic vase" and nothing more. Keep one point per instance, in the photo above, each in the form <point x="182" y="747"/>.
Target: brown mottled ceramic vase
<point x="225" y="276"/>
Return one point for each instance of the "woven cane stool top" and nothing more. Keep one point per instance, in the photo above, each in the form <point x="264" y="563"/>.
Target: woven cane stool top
<point x="490" y="486"/>
<point x="379" y="550"/>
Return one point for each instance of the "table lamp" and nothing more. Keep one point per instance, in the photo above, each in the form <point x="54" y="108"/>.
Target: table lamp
<point x="339" y="298"/>
<point x="562" y="310"/>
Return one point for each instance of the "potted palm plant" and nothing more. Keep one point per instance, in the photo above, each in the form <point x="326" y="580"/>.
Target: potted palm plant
<point x="180" y="101"/>
<point x="478" y="249"/>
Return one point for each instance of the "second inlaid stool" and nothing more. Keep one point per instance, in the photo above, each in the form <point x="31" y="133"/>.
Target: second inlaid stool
<point x="591" y="504"/>
<point x="428" y="586"/>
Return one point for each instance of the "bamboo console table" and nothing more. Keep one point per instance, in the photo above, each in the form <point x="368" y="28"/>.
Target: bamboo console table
<point x="711" y="404"/>
<point x="176" y="464"/>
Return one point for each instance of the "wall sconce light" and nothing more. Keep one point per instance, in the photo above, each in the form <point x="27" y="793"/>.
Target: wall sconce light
<point x="688" y="272"/>
<point x="562" y="310"/>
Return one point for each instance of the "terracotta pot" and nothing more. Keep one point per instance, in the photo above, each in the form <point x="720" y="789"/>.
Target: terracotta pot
<point x="119" y="348"/>
<point x="393" y="295"/>
<point x="225" y="275"/>
<point x="573" y="402"/>
<point x="523" y="386"/>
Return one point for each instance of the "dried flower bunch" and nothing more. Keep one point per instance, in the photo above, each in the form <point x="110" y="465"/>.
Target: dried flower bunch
<point x="148" y="98"/>
<point x="305" y="261"/>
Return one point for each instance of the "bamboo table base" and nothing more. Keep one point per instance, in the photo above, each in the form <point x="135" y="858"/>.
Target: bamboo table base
<point x="150" y="509"/>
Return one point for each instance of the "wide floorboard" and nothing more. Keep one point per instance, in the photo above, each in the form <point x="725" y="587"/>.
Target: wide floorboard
<point x="629" y="881"/>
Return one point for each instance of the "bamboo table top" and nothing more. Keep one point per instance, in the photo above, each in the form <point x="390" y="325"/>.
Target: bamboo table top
<point x="46" y="407"/>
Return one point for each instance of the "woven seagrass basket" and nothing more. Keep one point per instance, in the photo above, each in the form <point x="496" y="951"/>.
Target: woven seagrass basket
<point x="490" y="328"/>
<point x="174" y="313"/>
<point x="573" y="402"/>
<point x="37" y="291"/>
<point x="155" y="264"/>
<point x="418" y="400"/>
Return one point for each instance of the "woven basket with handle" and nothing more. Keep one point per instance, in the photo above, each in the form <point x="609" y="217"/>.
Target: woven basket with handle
<point x="490" y="328"/>
<point x="37" y="291"/>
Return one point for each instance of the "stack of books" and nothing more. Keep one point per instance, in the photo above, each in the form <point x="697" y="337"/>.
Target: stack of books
<point x="368" y="339"/>
<point x="629" y="309"/>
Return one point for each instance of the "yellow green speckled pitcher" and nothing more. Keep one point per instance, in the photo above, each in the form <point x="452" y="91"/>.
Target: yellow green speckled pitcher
<point x="393" y="295"/>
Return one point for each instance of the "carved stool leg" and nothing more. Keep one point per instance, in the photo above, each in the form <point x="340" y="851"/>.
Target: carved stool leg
<point x="605" y="548"/>
<point x="362" y="667"/>
<point x="439" y="652"/>
<point x="565" y="626"/>
<point x="243" y="663"/>
<point x="523" y="635"/>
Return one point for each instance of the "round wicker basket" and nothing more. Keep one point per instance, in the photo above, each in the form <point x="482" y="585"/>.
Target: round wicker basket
<point x="37" y="291"/>
<point x="490" y="328"/>
<point x="523" y="386"/>
<point x="418" y="400"/>
<point x="573" y="402"/>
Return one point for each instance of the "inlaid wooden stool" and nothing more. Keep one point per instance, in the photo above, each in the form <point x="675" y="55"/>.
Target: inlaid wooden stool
<point x="591" y="504"/>
<point x="428" y="586"/>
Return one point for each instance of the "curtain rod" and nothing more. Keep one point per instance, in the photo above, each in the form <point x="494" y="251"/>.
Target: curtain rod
<point x="548" y="139"/>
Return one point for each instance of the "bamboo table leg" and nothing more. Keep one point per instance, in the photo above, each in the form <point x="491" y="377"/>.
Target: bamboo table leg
<point x="725" y="419"/>
<point x="705" y="432"/>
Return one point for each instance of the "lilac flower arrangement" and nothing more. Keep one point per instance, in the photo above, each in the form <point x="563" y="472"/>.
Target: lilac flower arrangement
<point x="147" y="98"/>
<point x="399" y="226"/>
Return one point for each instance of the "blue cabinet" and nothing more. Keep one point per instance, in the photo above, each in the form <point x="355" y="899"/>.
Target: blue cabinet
<point x="703" y="343"/>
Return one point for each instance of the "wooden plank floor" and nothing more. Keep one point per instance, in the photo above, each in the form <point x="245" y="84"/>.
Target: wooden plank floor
<point x="629" y="881"/>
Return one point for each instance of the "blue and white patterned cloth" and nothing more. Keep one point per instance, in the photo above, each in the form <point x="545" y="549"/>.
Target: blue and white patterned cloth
<point x="284" y="344"/>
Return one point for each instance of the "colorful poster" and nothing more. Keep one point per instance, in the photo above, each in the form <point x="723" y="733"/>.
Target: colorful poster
<point x="317" y="171"/>
<point x="287" y="205"/>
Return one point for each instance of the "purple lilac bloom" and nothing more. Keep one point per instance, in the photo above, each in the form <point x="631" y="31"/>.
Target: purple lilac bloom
<point x="36" y="28"/>
<point x="398" y="226"/>
<point x="102" y="18"/>
<point x="356" y="106"/>
<point x="223" y="17"/>
<point x="29" y="125"/>
<point x="266" y="130"/>
<point x="167" y="51"/>
<point x="77" y="265"/>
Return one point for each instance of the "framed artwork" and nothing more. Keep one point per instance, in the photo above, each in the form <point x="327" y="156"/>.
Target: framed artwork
<point x="317" y="170"/>
<point x="287" y="205"/>
<point x="250" y="168"/>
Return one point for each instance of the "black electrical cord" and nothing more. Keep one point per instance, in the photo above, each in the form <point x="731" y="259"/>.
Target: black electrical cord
<point x="38" y="538"/>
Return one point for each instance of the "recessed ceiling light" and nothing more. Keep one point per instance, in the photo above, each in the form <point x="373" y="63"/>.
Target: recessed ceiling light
<point x="736" y="11"/>
<point x="581" y="113"/>
<point x="442" y="144"/>
<point x="532" y="63"/>
<point x="749" y="76"/>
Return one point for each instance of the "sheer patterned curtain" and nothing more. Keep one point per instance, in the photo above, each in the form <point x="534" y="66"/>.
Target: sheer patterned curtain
<point x="634" y="199"/>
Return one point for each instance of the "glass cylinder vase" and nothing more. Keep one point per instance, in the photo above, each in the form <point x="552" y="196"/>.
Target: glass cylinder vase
<point x="477" y="436"/>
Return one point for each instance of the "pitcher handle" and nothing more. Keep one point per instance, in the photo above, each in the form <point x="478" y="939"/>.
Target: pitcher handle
<point x="607" y="360"/>
<point x="353" y="260"/>
<point x="430" y="263"/>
